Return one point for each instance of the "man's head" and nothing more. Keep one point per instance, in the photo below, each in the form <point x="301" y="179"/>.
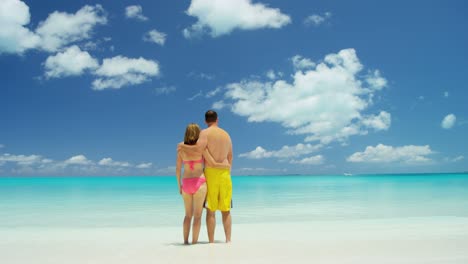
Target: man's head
<point x="211" y="117"/>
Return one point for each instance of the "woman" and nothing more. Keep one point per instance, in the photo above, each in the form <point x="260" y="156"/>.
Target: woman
<point x="192" y="187"/>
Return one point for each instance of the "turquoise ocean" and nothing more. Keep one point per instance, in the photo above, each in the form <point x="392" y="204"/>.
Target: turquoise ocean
<point x="90" y="202"/>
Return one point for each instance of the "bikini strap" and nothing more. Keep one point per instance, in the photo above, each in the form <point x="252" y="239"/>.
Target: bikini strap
<point x="191" y="163"/>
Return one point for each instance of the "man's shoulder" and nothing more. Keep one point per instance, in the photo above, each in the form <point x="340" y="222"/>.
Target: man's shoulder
<point x="180" y="146"/>
<point x="207" y="131"/>
<point x="224" y="131"/>
<point x="204" y="133"/>
<point x="216" y="130"/>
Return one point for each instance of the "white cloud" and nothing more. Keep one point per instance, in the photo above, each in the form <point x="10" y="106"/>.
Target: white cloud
<point x="446" y="94"/>
<point x="219" y="105"/>
<point x="70" y="62"/>
<point x="135" y="11"/>
<point x="257" y="153"/>
<point x="57" y="31"/>
<point x="409" y="154"/>
<point x="195" y="31"/>
<point x="167" y="171"/>
<point x="201" y="75"/>
<point x="448" y="121"/>
<point x="257" y="171"/>
<point x="316" y="19"/>
<point x="285" y="152"/>
<point x="381" y="121"/>
<point x="144" y="165"/>
<point x="75" y="165"/>
<point x="155" y="37"/>
<point x="376" y="81"/>
<point x="456" y="159"/>
<point x="112" y="163"/>
<point x="213" y="92"/>
<point x="22" y="160"/>
<point x="195" y="96"/>
<point x="90" y="45"/>
<point x="78" y="160"/>
<point x="326" y="103"/>
<point x="206" y="76"/>
<point x="96" y="44"/>
<point x="301" y="63"/>
<point x="314" y="160"/>
<point x="165" y="90"/>
<point x="121" y="71"/>
<point x="15" y="37"/>
<point x="61" y="29"/>
<point x="217" y="18"/>
<point x="271" y="74"/>
<point x="246" y="169"/>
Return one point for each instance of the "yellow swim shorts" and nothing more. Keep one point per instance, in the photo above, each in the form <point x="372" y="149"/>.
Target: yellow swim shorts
<point x="219" y="196"/>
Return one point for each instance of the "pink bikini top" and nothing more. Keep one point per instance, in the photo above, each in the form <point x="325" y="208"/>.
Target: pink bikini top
<point x="191" y="163"/>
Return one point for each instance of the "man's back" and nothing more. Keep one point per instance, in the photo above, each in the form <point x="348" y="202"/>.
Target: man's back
<point x="219" y="144"/>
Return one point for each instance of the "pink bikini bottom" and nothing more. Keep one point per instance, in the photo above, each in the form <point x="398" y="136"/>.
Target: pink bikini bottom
<point x="191" y="185"/>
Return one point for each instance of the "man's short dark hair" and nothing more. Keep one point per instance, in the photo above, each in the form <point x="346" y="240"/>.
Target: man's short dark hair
<point x="211" y="116"/>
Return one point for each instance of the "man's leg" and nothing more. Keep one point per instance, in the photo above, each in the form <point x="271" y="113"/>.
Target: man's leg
<point x="227" y="223"/>
<point x="210" y="224"/>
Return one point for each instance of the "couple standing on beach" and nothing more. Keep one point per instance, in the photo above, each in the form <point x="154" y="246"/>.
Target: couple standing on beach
<point x="207" y="159"/>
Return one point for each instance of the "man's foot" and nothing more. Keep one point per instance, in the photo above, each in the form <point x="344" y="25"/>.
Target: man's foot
<point x="186" y="243"/>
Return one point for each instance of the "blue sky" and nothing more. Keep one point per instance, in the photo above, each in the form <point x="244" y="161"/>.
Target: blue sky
<point x="309" y="87"/>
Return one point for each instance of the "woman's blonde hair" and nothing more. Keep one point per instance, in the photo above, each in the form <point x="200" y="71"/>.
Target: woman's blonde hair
<point x="192" y="132"/>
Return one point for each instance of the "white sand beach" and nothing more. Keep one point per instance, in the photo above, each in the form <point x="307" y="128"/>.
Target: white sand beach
<point x="409" y="240"/>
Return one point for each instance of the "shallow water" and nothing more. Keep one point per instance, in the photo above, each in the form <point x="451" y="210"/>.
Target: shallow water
<point x="154" y="201"/>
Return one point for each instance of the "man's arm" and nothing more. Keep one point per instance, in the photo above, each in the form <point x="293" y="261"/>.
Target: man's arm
<point x="229" y="157"/>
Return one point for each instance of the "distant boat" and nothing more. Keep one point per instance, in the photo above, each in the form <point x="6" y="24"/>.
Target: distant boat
<point x="348" y="174"/>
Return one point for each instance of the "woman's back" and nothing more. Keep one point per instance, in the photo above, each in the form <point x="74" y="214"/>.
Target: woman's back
<point x="193" y="163"/>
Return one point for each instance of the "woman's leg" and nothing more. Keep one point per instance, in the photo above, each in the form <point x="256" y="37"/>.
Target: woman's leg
<point x="198" y="199"/>
<point x="188" y="202"/>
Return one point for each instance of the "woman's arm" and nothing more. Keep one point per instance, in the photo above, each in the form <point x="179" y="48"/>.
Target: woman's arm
<point x="210" y="159"/>
<point x="179" y="170"/>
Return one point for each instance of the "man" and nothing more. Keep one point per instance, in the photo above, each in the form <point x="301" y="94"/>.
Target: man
<point x="219" y="196"/>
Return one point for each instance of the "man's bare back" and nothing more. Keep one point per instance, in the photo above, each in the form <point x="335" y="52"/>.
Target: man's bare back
<point x="218" y="142"/>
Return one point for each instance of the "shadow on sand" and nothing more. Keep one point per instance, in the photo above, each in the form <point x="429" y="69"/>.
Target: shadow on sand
<point x="199" y="243"/>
